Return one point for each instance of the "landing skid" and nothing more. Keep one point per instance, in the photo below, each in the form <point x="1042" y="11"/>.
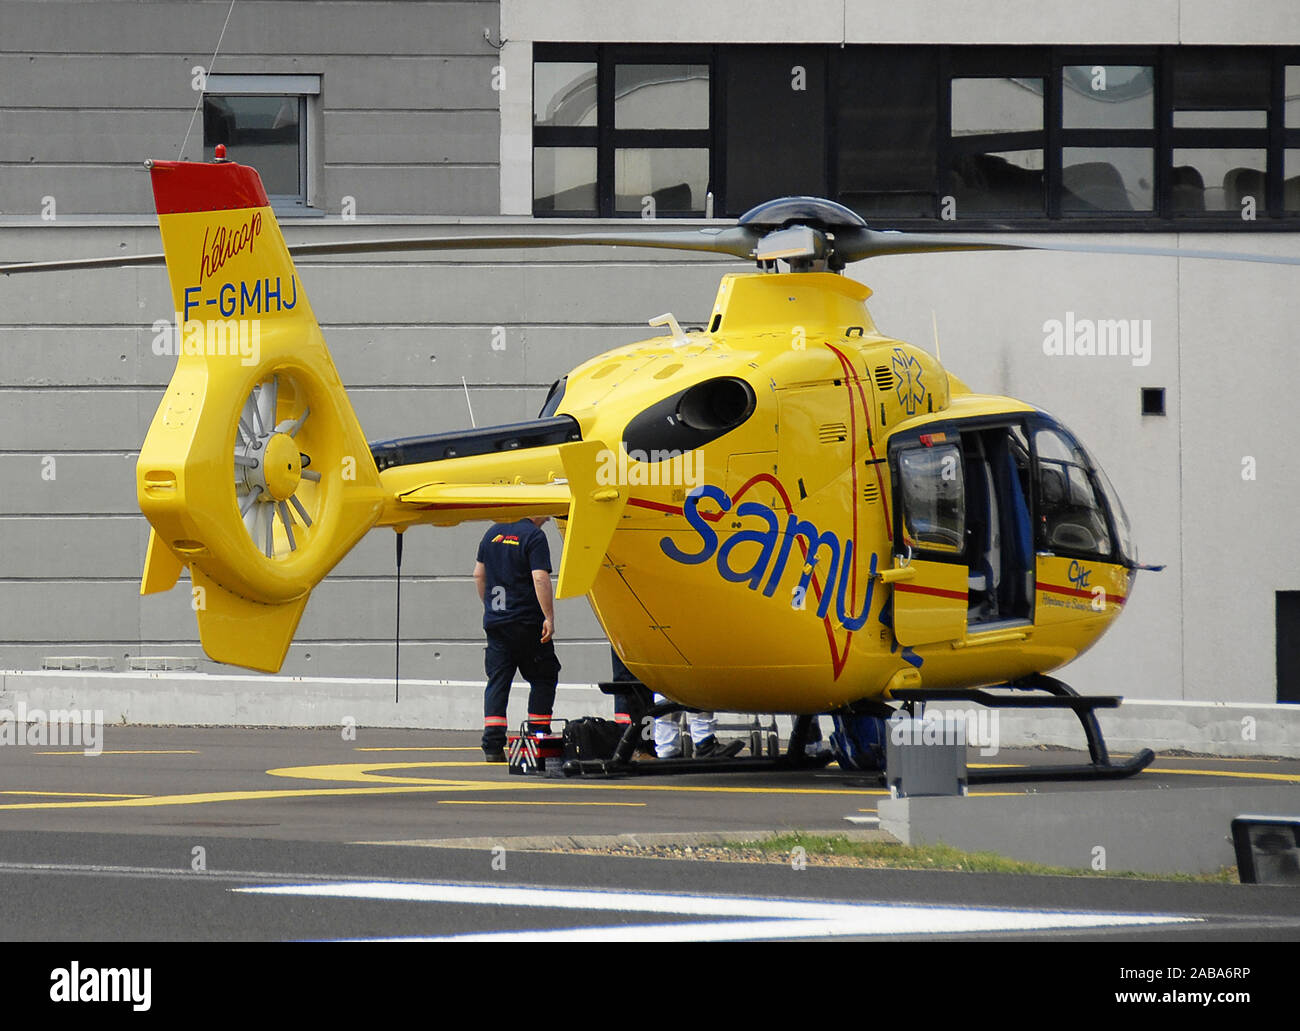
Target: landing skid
<point x="1059" y="696"/>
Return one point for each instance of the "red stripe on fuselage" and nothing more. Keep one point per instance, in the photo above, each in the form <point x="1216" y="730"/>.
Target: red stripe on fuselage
<point x="1071" y="592"/>
<point x="937" y="592"/>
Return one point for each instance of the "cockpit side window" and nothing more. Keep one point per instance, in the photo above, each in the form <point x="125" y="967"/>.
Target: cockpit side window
<point x="934" y="498"/>
<point x="1071" y="516"/>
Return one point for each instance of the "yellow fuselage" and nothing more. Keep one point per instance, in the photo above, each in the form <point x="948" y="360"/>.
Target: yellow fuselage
<point x="705" y="605"/>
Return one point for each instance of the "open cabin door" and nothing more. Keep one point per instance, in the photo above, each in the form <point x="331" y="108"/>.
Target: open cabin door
<point x="930" y="575"/>
<point x="963" y="532"/>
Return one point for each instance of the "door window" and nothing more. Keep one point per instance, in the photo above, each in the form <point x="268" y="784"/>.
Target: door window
<point x="934" y="499"/>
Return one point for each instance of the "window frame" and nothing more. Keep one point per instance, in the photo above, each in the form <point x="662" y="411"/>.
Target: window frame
<point x="1039" y="423"/>
<point x="306" y="89"/>
<point x="962" y="61"/>
<point x="607" y="139"/>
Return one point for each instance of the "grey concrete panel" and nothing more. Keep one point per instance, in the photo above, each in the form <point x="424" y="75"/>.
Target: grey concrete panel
<point x="76" y="189"/>
<point x="61" y="610"/>
<point x="421" y="189"/>
<point x="69" y="547"/>
<point x="149" y="80"/>
<point x="49" y="420"/>
<point x="1189" y="831"/>
<point x="414" y="82"/>
<point x="272" y="26"/>
<point x="232" y="698"/>
<point x="580" y="662"/>
<point x="386" y="414"/>
<point x="81" y="483"/>
<point x="122" y="296"/>
<point x="411" y="137"/>
<point x="438" y="355"/>
<point x="503" y="293"/>
<point x="349" y="611"/>
<point x="414" y="356"/>
<point x="81" y="356"/>
<point x="165" y="82"/>
<point x="59" y="135"/>
<point x="36" y="240"/>
<point x="427" y="551"/>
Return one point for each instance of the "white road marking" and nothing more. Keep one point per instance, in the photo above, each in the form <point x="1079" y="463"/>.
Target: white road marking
<point x="755" y="917"/>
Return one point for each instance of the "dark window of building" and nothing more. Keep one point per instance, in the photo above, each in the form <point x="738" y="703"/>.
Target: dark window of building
<point x="1288" y="646"/>
<point x="1220" y="99"/>
<point x="886" y="102"/>
<point x="1107" y="138"/>
<point x="968" y="137"/>
<point x="1153" y="400"/>
<point x="775" y="127"/>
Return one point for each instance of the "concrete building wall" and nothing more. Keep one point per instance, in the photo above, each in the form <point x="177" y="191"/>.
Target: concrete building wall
<point x="90" y="88"/>
<point x="414" y="131"/>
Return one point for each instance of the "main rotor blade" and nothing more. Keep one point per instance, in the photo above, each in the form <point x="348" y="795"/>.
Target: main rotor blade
<point x="738" y="241"/>
<point x="76" y="264"/>
<point x="859" y="244"/>
<point x="850" y="243"/>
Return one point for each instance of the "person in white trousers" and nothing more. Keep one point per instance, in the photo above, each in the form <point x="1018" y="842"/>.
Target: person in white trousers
<point x="705" y="744"/>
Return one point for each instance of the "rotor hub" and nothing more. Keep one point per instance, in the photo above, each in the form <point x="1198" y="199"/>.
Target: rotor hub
<point x="281" y="467"/>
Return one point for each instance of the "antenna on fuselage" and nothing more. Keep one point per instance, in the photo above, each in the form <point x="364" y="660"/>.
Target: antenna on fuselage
<point x="473" y="424"/>
<point x="668" y="319"/>
<point x="934" y="323"/>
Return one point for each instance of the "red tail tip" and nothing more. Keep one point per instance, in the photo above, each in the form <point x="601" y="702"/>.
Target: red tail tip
<point x="180" y="186"/>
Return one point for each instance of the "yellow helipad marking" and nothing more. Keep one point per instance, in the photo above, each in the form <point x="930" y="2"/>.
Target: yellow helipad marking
<point x="1288" y="778"/>
<point x="374" y="779"/>
<point x="421" y="748"/>
<point x="70" y="794"/>
<point x="143" y="751"/>
<point x="481" y="801"/>
<point x="370" y="773"/>
<point x="1203" y="758"/>
<point x="151" y="801"/>
<point x="375" y="783"/>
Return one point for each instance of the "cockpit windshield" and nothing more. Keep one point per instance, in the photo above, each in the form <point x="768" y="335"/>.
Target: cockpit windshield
<point x="1077" y="506"/>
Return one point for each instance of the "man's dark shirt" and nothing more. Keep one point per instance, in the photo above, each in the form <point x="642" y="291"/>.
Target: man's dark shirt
<point x="510" y="552"/>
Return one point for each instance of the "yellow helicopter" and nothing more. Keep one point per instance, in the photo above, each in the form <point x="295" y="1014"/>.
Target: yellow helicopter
<point x="786" y="511"/>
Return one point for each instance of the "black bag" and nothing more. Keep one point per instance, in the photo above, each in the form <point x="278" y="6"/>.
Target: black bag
<point x="591" y="738"/>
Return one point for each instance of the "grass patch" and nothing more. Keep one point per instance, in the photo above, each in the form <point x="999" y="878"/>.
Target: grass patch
<point x="884" y="855"/>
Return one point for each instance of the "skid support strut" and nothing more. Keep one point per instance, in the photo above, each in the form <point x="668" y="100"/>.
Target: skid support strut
<point x="1059" y="695"/>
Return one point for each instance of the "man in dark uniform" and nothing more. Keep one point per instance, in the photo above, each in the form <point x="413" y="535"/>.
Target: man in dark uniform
<point x="513" y="576"/>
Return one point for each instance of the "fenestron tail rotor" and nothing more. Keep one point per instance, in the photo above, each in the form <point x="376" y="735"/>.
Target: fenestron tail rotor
<point x="275" y="489"/>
